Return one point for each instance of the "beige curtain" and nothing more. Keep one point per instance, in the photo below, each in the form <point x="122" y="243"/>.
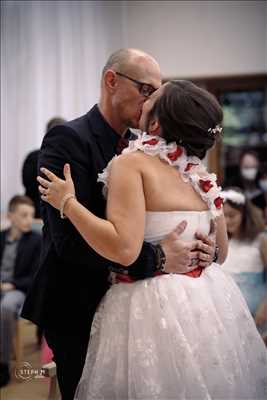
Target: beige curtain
<point x="52" y="53"/>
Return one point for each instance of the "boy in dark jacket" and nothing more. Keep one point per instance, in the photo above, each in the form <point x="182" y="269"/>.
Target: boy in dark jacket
<point x="19" y="256"/>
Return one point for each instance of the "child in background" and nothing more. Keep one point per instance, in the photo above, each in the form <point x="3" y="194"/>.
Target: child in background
<point x="247" y="253"/>
<point x="19" y="257"/>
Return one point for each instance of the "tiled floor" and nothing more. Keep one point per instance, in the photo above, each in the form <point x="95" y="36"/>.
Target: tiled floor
<point x="24" y="387"/>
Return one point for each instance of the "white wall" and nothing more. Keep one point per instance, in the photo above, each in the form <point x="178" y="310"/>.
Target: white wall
<point x="200" y="38"/>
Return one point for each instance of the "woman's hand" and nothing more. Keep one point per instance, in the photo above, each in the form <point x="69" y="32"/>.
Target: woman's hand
<point x="53" y="190"/>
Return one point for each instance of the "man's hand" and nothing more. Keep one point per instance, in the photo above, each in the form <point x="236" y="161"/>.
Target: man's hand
<point x="7" y="286"/>
<point x="206" y="246"/>
<point x="182" y="257"/>
<point x="179" y="254"/>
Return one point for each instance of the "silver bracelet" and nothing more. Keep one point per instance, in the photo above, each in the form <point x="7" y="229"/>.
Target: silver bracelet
<point x="216" y="254"/>
<point x="63" y="202"/>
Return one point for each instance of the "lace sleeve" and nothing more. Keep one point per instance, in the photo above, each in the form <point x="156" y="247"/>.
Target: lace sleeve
<point x="103" y="177"/>
<point x="191" y="168"/>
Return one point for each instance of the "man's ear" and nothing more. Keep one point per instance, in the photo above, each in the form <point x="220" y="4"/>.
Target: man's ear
<point x="110" y="79"/>
<point x="154" y="127"/>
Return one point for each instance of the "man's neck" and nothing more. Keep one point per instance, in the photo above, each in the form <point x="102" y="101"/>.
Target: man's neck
<point x="111" y="119"/>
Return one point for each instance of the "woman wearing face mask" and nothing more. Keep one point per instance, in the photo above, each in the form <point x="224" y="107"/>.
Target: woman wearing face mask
<point x="248" y="178"/>
<point x="247" y="253"/>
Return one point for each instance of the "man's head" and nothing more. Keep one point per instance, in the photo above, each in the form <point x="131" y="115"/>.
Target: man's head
<point x="21" y="213"/>
<point x="129" y="77"/>
<point x="185" y="114"/>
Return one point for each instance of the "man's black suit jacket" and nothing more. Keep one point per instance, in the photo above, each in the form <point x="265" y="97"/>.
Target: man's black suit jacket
<point x="72" y="278"/>
<point x="29" y="171"/>
<point x="27" y="258"/>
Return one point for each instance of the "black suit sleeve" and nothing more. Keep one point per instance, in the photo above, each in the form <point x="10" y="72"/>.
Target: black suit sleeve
<point x="145" y="265"/>
<point x="33" y="250"/>
<point x="63" y="145"/>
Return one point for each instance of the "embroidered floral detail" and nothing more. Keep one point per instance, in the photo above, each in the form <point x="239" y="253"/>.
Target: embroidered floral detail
<point x="218" y="202"/>
<point x="191" y="168"/>
<point x="175" y="154"/>
<point x="103" y="177"/>
<point x="152" y="142"/>
<point x="205" y="185"/>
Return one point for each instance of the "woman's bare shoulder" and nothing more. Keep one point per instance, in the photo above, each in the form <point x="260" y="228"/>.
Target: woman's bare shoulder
<point x="134" y="159"/>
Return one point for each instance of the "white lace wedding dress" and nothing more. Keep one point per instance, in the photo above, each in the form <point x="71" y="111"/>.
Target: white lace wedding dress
<point x="175" y="336"/>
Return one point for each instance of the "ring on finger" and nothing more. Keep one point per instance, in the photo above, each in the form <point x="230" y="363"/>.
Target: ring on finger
<point x="194" y="261"/>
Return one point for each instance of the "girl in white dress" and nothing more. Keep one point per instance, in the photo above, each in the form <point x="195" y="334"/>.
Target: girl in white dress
<point x="247" y="254"/>
<point x="171" y="336"/>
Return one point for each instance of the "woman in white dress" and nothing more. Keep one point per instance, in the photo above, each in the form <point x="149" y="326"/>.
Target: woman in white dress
<point x="171" y="336"/>
<point x="247" y="254"/>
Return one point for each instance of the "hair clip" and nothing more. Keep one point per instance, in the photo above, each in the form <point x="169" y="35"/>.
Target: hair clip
<point x="215" y="130"/>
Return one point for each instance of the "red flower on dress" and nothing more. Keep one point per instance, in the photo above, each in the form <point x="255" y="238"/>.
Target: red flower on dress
<point x="189" y="166"/>
<point x="205" y="185"/>
<point x="175" y="154"/>
<point x="218" y="202"/>
<point x="151" y="141"/>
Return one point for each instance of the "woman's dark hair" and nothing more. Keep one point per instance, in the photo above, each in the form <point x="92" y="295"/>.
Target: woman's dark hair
<point x="186" y="113"/>
<point x="252" y="222"/>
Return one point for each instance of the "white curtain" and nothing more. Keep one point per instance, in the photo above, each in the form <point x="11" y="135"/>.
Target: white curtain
<point x="52" y="54"/>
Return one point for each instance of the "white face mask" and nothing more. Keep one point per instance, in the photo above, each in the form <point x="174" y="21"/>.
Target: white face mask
<point x="263" y="185"/>
<point x="249" y="173"/>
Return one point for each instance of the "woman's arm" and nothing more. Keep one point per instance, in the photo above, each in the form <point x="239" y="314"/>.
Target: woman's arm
<point x="221" y="239"/>
<point x="119" y="238"/>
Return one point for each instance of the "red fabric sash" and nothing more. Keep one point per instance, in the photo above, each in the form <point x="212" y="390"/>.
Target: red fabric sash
<point x="128" y="279"/>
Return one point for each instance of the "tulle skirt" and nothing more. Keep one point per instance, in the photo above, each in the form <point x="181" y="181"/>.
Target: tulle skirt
<point x="175" y="337"/>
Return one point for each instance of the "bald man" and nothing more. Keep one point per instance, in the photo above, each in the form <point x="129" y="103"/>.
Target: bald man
<point x="72" y="278"/>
